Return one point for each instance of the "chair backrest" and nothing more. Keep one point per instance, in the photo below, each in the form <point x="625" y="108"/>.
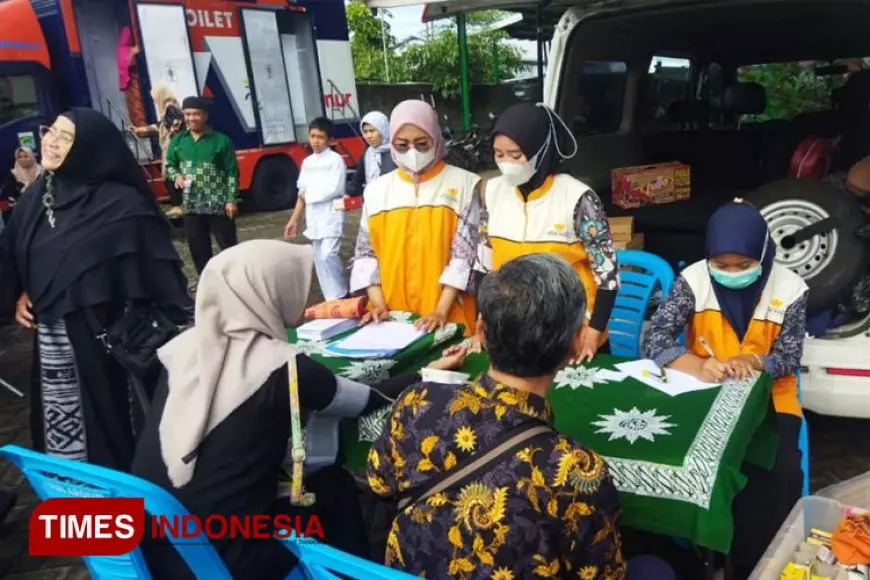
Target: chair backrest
<point x="640" y="275"/>
<point x="52" y="477"/>
<point x="321" y="562"/>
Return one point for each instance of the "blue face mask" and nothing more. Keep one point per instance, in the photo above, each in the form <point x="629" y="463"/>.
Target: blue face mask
<point x="735" y="280"/>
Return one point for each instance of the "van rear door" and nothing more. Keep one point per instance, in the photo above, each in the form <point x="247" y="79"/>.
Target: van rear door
<point x="574" y="11"/>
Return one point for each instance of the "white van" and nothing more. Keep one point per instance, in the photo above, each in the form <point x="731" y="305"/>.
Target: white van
<point x="733" y="88"/>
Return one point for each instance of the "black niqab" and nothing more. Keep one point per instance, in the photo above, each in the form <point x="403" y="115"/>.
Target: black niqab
<point x="110" y="236"/>
<point x="529" y="126"/>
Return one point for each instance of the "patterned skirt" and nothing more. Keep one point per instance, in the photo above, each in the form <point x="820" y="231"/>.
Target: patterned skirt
<point x="62" y="415"/>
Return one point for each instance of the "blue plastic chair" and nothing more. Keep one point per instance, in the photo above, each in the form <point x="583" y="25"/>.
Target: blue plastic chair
<point x="804" y="445"/>
<point x="640" y="274"/>
<point x="85" y="480"/>
<point x="321" y="562"/>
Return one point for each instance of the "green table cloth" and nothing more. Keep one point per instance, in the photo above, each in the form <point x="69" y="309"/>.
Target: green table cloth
<point x="372" y="371"/>
<point x="675" y="460"/>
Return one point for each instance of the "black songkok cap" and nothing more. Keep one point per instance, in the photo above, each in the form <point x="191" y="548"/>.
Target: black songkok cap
<point x="195" y="103"/>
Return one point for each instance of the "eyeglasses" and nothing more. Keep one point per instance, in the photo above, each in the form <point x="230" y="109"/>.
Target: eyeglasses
<point x="62" y="137"/>
<point x="423" y="146"/>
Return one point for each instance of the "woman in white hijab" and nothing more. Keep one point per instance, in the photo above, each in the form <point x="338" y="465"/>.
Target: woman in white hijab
<point x="376" y="160"/>
<point x="217" y="432"/>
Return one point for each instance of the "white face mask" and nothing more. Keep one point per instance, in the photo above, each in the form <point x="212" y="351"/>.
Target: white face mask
<point x="517" y="173"/>
<point x="415" y="160"/>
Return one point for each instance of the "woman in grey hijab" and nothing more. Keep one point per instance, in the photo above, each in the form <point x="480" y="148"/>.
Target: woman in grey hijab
<point x="217" y="434"/>
<point x="376" y="160"/>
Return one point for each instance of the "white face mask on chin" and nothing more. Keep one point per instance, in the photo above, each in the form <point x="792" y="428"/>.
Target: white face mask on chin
<point x="415" y="160"/>
<point x="517" y="173"/>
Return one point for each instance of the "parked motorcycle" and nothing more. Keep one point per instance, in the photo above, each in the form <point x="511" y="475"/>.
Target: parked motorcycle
<point x="473" y="151"/>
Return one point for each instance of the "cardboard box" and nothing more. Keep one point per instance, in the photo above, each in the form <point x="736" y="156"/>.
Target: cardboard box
<point x="650" y="184"/>
<point x="635" y="243"/>
<point x="621" y="228"/>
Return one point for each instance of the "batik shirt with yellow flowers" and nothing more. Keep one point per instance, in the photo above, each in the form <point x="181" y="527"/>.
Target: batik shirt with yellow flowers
<point x="549" y="510"/>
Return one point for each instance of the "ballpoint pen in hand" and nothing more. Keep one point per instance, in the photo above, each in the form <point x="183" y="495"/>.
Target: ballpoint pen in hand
<point x="710" y="351"/>
<point x="707" y="347"/>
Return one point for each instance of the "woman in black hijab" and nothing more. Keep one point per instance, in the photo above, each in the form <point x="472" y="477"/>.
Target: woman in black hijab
<point x="87" y="243"/>
<point x="533" y="207"/>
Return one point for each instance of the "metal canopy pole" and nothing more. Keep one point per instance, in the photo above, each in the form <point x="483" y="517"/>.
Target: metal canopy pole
<point x="539" y="36"/>
<point x="496" y="62"/>
<point x="384" y="41"/>
<point x="539" y="33"/>
<point x="463" y="72"/>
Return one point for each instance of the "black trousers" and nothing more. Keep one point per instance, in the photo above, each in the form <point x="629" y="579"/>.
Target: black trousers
<point x="200" y="229"/>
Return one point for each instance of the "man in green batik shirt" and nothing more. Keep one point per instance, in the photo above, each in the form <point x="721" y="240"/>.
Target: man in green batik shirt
<point x="202" y="163"/>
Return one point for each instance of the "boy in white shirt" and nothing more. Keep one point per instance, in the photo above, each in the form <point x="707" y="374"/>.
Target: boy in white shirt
<point x="322" y="180"/>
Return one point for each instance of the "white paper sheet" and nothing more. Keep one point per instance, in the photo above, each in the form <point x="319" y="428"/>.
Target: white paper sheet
<point x="677" y="384"/>
<point x="384" y="337"/>
<point x="610" y="376"/>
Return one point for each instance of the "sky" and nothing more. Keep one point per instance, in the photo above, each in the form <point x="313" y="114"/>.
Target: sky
<point x="406" y="21"/>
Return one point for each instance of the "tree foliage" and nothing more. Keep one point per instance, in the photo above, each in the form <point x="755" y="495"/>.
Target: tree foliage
<point x="368" y="37"/>
<point x="792" y="87"/>
<point x="435" y="60"/>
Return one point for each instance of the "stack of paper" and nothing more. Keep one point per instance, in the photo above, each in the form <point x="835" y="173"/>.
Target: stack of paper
<point x="325" y="328"/>
<point x="609" y="376"/>
<point x="677" y="383"/>
<point x="380" y="340"/>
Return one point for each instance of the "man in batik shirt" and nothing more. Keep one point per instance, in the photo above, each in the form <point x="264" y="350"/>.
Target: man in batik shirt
<point x="547" y="510"/>
<point x="202" y="163"/>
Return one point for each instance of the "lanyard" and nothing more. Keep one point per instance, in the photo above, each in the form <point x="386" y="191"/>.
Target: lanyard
<point x="298" y="495"/>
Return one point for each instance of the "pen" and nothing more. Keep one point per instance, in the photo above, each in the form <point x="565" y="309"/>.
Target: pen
<point x="661" y="376"/>
<point x="707" y="347"/>
<point x="664" y="377"/>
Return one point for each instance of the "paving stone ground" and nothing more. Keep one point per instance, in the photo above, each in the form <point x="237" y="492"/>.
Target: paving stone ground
<point x="838" y="446"/>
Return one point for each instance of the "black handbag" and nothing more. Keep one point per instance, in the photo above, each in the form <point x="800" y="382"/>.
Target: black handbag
<point x="133" y="341"/>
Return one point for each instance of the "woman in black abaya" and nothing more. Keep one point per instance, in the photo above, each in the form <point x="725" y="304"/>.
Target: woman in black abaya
<point x="89" y="241"/>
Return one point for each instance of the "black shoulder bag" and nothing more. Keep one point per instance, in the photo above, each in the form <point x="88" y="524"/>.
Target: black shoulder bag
<point x="133" y="341"/>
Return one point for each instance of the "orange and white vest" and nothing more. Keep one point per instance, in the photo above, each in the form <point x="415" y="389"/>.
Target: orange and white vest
<point x="544" y="223"/>
<point x="783" y="288"/>
<point x="411" y="230"/>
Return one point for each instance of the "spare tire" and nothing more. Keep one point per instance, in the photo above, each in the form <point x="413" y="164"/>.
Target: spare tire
<point x="274" y="185"/>
<point x="830" y="263"/>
